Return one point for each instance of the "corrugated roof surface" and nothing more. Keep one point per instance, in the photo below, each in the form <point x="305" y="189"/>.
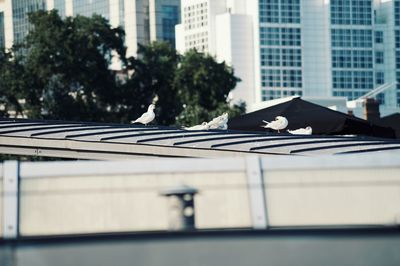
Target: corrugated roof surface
<point x="53" y="138"/>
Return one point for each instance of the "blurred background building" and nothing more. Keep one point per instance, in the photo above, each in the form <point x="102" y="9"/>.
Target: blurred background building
<point x="143" y="20"/>
<point x="314" y="48"/>
<point x="163" y="16"/>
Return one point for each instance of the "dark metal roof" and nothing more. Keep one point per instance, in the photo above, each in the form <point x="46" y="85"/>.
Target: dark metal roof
<point x="109" y="141"/>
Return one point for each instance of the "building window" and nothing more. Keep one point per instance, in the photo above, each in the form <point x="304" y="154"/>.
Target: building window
<point x="361" y="12"/>
<point x="355" y="12"/>
<point x="379" y="78"/>
<point x="88" y="8"/>
<point x="291" y="57"/>
<point x="397" y="38"/>
<point x="378" y="36"/>
<point x="379" y="57"/>
<point x="270" y="56"/>
<point x="363" y="80"/>
<point x="170" y="17"/>
<point x="341" y="38"/>
<point x="340" y="12"/>
<point x="269" y="11"/>
<point x="362" y="38"/>
<point x="398" y="59"/>
<point x="290" y="11"/>
<point x="341" y="58"/>
<point x="342" y="80"/>
<point x="279" y="11"/>
<point x="291" y="78"/>
<point x="270" y="78"/>
<point x="269" y="36"/>
<point x="362" y="59"/>
<point x="291" y="37"/>
<point x="358" y="38"/>
<point x="397" y="13"/>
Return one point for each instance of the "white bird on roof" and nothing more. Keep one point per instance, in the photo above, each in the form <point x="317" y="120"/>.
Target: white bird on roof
<point x="146" y="117"/>
<point x="220" y="122"/>
<point x="203" y="126"/>
<point x="301" y="131"/>
<point x="279" y="123"/>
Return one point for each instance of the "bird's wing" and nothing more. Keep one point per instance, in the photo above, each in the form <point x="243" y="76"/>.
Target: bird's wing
<point x="197" y="127"/>
<point x="272" y="124"/>
<point x="143" y="118"/>
<point x="213" y="124"/>
<point x="300" y="131"/>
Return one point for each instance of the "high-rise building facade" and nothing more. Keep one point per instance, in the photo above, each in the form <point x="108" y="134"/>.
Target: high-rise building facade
<point x="163" y="16"/>
<point x="2" y="43"/>
<point x="314" y="48"/>
<point x="352" y="48"/>
<point x="281" y="55"/>
<point x="20" y="23"/>
<point x="216" y="28"/>
<point x="133" y="15"/>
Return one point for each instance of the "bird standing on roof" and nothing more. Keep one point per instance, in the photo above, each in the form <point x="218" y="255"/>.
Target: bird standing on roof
<point x="301" y="131"/>
<point x="146" y="117"/>
<point x="203" y="126"/>
<point x="279" y="123"/>
<point x="220" y="122"/>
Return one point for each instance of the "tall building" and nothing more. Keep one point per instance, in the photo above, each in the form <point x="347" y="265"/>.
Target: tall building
<point x="133" y="15"/>
<point x="314" y="48"/>
<point x="2" y="42"/>
<point x="163" y="16"/>
<point x="218" y="28"/>
<point x="20" y="10"/>
<point x="387" y="42"/>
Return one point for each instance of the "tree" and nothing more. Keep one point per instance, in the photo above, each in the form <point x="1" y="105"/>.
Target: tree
<point x="62" y="71"/>
<point x="11" y="84"/>
<point x="152" y="80"/>
<point x="67" y="67"/>
<point x="189" y="89"/>
<point x="203" y="86"/>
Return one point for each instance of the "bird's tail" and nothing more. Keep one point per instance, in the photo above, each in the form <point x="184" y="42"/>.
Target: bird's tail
<point x="265" y="122"/>
<point x="134" y="121"/>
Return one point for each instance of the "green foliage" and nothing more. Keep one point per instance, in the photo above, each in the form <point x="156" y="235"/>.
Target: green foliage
<point x="152" y="80"/>
<point x="10" y="84"/>
<point x="203" y="87"/>
<point x="67" y="67"/>
<point x="62" y="71"/>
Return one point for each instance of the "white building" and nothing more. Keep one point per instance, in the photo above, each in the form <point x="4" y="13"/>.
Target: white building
<point x="314" y="48"/>
<point x="142" y="20"/>
<point x="215" y="27"/>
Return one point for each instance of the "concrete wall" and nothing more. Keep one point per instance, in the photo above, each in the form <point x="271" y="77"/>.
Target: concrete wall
<point x="115" y="203"/>
<point x="83" y="197"/>
<point x="1" y="200"/>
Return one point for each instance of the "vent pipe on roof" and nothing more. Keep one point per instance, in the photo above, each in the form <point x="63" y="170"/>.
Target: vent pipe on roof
<point x="371" y="110"/>
<point x="181" y="210"/>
